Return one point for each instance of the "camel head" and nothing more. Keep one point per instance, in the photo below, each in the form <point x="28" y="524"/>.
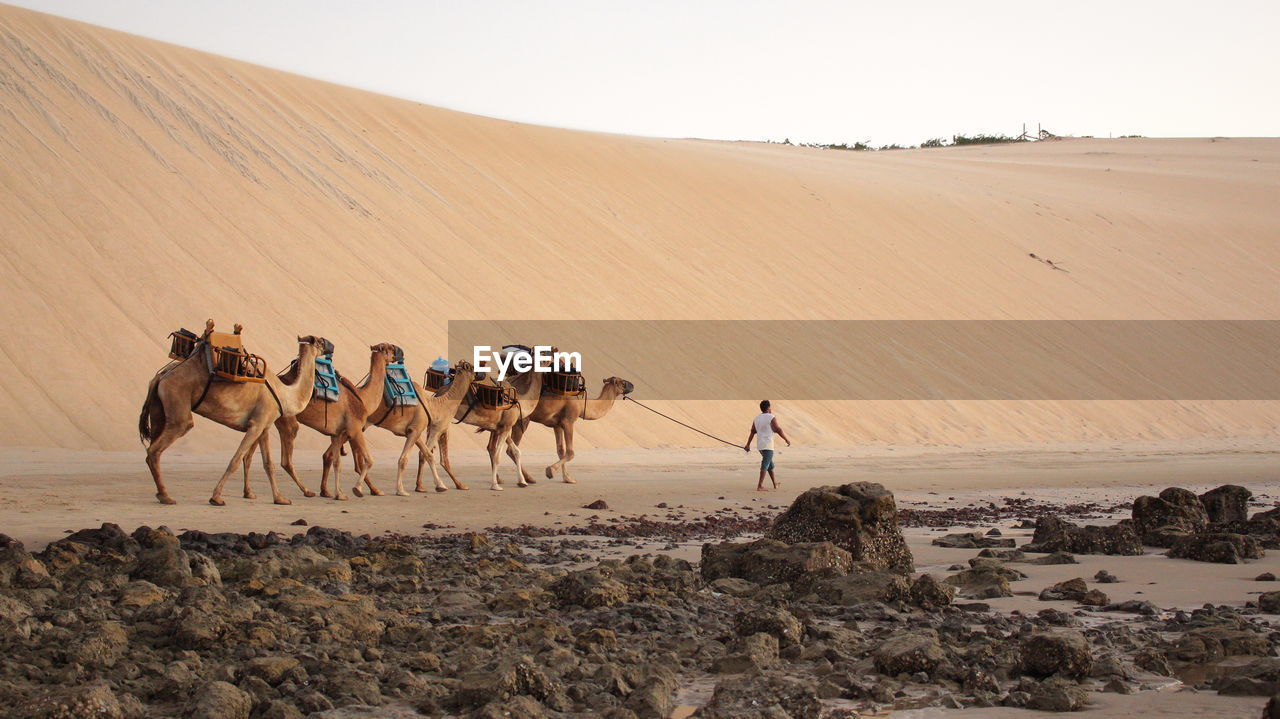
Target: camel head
<point x="463" y="366"/>
<point x="318" y="344"/>
<point x="385" y="350"/>
<point x="624" y="387"/>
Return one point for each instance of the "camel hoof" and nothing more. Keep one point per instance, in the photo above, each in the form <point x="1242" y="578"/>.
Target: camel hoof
<point x="325" y="493"/>
<point x="461" y="487"/>
<point x="282" y="500"/>
<point x="308" y="493"/>
<point x="444" y="489"/>
<point x="530" y="480"/>
<point x="551" y="473"/>
<point x="570" y="481"/>
<point x="419" y="489"/>
<point x="250" y="495"/>
<point x="403" y="494"/>
<point x="379" y="493"/>
<point x="340" y="498"/>
<point x="496" y="488"/>
<point x="217" y="501"/>
<point x="522" y="484"/>
<point x="165" y="499"/>
<point x="357" y="491"/>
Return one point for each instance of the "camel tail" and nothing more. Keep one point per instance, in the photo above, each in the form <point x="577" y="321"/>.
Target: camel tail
<point x="151" y="418"/>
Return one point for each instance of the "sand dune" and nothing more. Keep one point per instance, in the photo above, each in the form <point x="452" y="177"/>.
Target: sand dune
<point x="145" y="186"/>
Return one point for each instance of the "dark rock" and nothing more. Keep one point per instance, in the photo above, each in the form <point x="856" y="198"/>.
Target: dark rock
<point x="594" y="587"/>
<point x="1272" y="709"/>
<point x="1228" y="503"/>
<point x="734" y="587"/>
<point x="770" y="620"/>
<point x="1265" y="577"/>
<point x="768" y="561"/>
<point x="598" y="504"/>
<point x="1175" y="509"/>
<point x="1105" y="577"/>
<point x="1064" y="652"/>
<point x="983" y="582"/>
<point x="909" y="653"/>
<point x="299" y="523"/>
<point x="1133" y="606"/>
<point x="1222" y="548"/>
<point x="930" y="594"/>
<point x="1260" y="678"/>
<point x="748" y="654"/>
<point x="514" y="676"/>
<point x="1074" y="590"/>
<point x="863" y="585"/>
<point x="220" y="700"/>
<point x="1057" y="535"/>
<point x="1058" y="695"/>
<point x="971" y="540"/>
<point x="90" y="700"/>
<point x="860" y="518"/>
<point x="1053" y="559"/>
<point x="767" y="696"/>
<point x="1269" y="602"/>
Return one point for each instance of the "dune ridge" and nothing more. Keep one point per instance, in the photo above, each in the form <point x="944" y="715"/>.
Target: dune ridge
<point x="145" y="186"/>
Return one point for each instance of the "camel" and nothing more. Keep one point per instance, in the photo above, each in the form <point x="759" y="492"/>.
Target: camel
<point x="185" y="387"/>
<point x="422" y="423"/>
<point x="342" y="421"/>
<point x="560" y="412"/>
<point x="500" y="423"/>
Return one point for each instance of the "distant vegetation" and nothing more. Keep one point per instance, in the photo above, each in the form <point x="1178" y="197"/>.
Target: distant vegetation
<point x="955" y="141"/>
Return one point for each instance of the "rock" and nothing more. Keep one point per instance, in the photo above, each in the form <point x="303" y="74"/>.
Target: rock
<point x="141" y="594"/>
<point x="94" y="700"/>
<point x="272" y="670"/>
<point x="1259" y="678"/>
<point x="1228" y="503"/>
<point x="1269" y="602"/>
<point x="1058" y="695"/>
<point x="589" y="588"/>
<point x="1210" y="644"/>
<point x="598" y="504"/>
<point x="654" y="698"/>
<point x="101" y="644"/>
<point x="514" y="676"/>
<point x="161" y="560"/>
<point x="1265" y="577"/>
<point x="749" y="654"/>
<point x="1053" y="559"/>
<point x="766" y="696"/>
<point x="279" y="709"/>
<point x="909" y="653"/>
<point x="299" y="523"/>
<point x="930" y="594"/>
<point x="1133" y="606"/>
<point x="1272" y="709"/>
<point x="1075" y="590"/>
<point x="971" y="540"/>
<point x="863" y="585"/>
<point x="1064" y="652"/>
<point x="860" y="518"/>
<point x="1221" y="548"/>
<point x="1175" y="509"/>
<point x="777" y="622"/>
<point x="16" y="618"/>
<point x="734" y="587"/>
<point x="769" y="561"/>
<point x="981" y="583"/>
<point x="1005" y="555"/>
<point x="1057" y="535"/>
<point x="1105" y="577"/>
<point x="220" y="700"/>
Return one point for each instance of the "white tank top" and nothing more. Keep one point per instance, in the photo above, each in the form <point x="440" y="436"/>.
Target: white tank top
<point x="764" y="430"/>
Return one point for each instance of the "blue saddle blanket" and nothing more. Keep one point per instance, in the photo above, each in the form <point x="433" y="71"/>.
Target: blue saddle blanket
<point x="399" y="388"/>
<point x="326" y="380"/>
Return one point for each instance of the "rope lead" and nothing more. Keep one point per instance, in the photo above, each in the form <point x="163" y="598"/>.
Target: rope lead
<point x="682" y="424"/>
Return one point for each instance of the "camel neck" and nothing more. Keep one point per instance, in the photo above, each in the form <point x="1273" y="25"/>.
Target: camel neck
<point x="371" y="392"/>
<point x="296" y="395"/>
<point x="598" y="407"/>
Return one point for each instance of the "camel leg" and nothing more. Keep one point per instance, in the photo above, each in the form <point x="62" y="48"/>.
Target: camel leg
<point x="265" y="444"/>
<point x="332" y="457"/>
<point x="410" y="442"/>
<point x="513" y="451"/>
<point x="517" y="433"/>
<point x="551" y="468"/>
<point x="252" y="434"/>
<point x="287" y="428"/>
<point x="443" y="444"/>
<point x="363" y="459"/>
<point x="493" y="461"/>
<point x="248" y="463"/>
<point x="568" y="454"/>
<point x="425" y="453"/>
<point x="174" y="428"/>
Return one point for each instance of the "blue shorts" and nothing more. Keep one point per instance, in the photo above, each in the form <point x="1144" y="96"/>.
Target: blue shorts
<point x="766" y="460"/>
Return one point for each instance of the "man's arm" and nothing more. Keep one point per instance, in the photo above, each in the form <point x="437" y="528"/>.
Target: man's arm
<point x="747" y="447"/>
<point x="777" y="429"/>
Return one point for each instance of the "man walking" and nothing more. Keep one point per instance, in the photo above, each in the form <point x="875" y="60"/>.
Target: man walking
<point x="763" y="427"/>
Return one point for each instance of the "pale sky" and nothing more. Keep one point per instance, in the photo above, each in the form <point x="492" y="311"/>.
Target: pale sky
<point x="735" y="69"/>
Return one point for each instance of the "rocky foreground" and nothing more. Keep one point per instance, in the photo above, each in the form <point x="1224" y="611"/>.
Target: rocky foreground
<point x="821" y="617"/>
